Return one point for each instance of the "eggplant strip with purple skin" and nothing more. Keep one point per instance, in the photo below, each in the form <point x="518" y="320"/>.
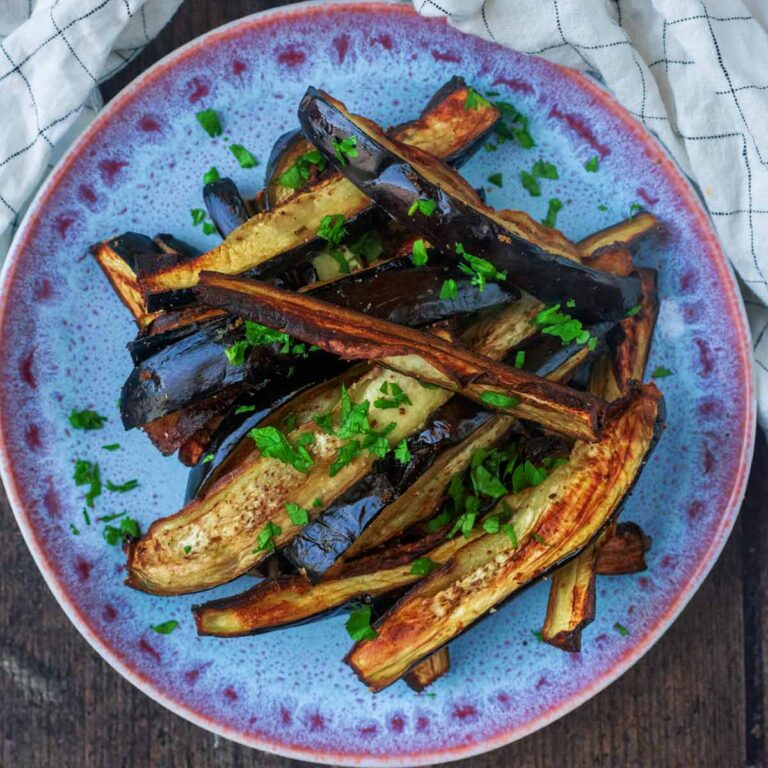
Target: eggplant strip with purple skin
<point x="535" y="258"/>
<point x="194" y="365"/>
<point x="354" y="335"/>
<point x="220" y="529"/>
<point x="446" y="130"/>
<point x="571" y="605"/>
<point x="426" y="672"/>
<point x="587" y="493"/>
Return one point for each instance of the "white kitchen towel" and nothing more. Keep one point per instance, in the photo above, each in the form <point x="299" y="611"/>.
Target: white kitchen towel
<point x="53" y="54"/>
<point x="695" y="72"/>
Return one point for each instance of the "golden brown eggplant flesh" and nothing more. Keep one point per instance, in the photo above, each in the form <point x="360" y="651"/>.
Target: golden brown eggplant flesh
<point x="396" y="176"/>
<point x="220" y="529"/>
<point x="623" y="552"/>
<point x="587" y="493"/>
<point x="353" y="335"/>
<point x="426" y="672"/>
<point x="448" y="129"/>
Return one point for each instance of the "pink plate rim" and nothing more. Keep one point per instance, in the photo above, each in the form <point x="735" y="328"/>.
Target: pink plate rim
<point x="730" y="505"/>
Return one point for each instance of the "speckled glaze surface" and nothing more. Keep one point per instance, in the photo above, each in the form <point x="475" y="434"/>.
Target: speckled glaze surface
<point x="63" y="345"/>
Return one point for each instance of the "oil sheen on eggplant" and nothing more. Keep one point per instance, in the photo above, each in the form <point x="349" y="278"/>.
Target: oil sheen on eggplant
<point x="395" y="177"/>
<point x="323" y="541"/>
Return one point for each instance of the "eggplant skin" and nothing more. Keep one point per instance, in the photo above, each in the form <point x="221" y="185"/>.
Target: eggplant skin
<point x="394" y="176"/>
<point x="225" y="205"/>
<point x="588" y="493"/>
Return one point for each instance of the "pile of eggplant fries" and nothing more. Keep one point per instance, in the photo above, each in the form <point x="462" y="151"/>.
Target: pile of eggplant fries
<point x="394" y="398"/>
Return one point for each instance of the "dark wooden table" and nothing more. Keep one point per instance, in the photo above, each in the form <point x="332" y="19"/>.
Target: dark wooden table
<point x="697" y="698"/>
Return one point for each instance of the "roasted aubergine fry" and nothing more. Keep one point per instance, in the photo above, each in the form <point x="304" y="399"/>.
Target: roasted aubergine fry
<point x="623" y="551"/>
<point x="215" y="539"/>
<point x="426" y="672"/>
<point x="446" y="130"/>
<point x="353" y="335"/>
<point x="587" y="493"/>
<point x="537" y="259"/>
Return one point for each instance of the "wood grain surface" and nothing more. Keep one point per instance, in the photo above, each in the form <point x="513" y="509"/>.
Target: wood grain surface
<point x="698" y="698"/>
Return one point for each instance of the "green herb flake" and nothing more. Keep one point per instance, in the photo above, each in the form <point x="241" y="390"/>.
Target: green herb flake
<point x="555" y="206"/>
<point x="661" y="373"/>
<point x="207" y="458"/>
<point x="129" y="485"/>
<point x="489" y="147"/>
<point x="553" y="322"/>
<point x="244" y="158"/>
<point x="318" y="502"/>
<point x="332" y="229"/>
<point x="530" y="183"/>
<point x="492" y="524"/>
<point x="634" y="311"/>
<point x="111" y="447"/>
<point x="499" y="400"/>
<point x="402" y="452"/>
<point x="395" y="396"/>
<point x="128" y="529"/>
<point x="301" y="171"/>
<point x="448" y="291"/>
<point x="621" y="629"/>
<point x="86" y="516"/>
<point x="509" y="532"/>
<point x="475" y="100"/>
<point x="419" y="255"/>
<point x="437" y="522"/>
<point x="602" y="207"/>
<point x="368" y="247"/>
<point x="359" y="624"/>
<point x="274" y="444"/>
<point x="265" y="541"/>
<point x="479" y="270"/>
<point x="345" y="149"/>
<point x="425" y="207"/>
<point x="635" y="208"/>
<point x="592" y="164"/>
<point x="166" y="627"/>
<point x="538" y="539"/>
<point x="346" y="453"/>
<point x="245" y="409"/>
<point x="86" y="419"/>
<point x="87" y="473"/>
<point x="209" y="228"/>
<point x="520" y="358"/>
<point x="74" y="529"/>
<point x="423" y="566"/>
<point x="466" y="521"/>
<point x="496" y="179"/>
<point x="543" y="170"/>
<point x="187" y="549"/>
<point x="527" y="475"/>
<point x="210" y="122"/>
<point x="297" y="514"/>
<point x="537" y="635"/>
<point x="212" y="174"/>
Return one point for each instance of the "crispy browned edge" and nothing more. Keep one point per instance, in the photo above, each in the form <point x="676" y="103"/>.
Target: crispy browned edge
<point x="426" y="672"/>
<point x="623" y="552"/>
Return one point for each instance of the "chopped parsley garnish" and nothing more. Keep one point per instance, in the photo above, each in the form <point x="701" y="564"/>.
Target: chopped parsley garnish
<point x="480" y="270"/>
<point x="301" y="171"/>
<point x="634" y="310"/>
<point x="332" y="229"/>
<point x="265" y="541"/>
<point x="209" y="119"/>
<point x="74" y="529"/>
<point x="111" y="447"/>
<point x="341" y="260"/>
<point x="128" y="529"/>
<point x="499" y="400"/>
<point x="110" y="518"/>
<point x="466" y="521"/>
<point x="198" y="216"/>
<point x="212" y="174"/>
<point x="419" y="255"/>
<point x="520" y="358"/>
<point x="425" y="207"/>
<point x="449" y="289"/>
<point x="621" y="629"/>
<point x="555" y="206"/>
<point x="661" y="373"/>
<point x="489" y="147"/>
<point x="368" y="247"/>
<point x="166" y="627"/>
<point x="538" y="539"/>
<point x="346" y="453"/>
<point x="353" y="417"/>
<point x="395" y="396"/>
<point x="437" y="522"/>
<point x="208" y="228"/>
<point x="187" y="549"/>
<point x="495" y="178"/>
<point x="86" y="516"/>
<point x="527" y="475"/>
<point x="257" y="335"/>
<point x="635" y="208"/>
<point x="244" y="158"/>
<point x="87" y="473"/>
<point x="345" y="149"/>
<point x="592" y="164"/>
<point x="537" y="635"/>
<point x="602" y="207"/>
<point x="512" y="126"/>
<point x="207" y="458"/>
<point x="297" y="514"/>
<point x="318" y="502"/>
<point x="359" y="624"/>
<point x="423" y="566"/>
<point x="485" y="482"/>
<point x="245" y="409"/>
<point x="554" y="322"/>
<point x="129" y="485"/>
<point x="492" y="524"/>
<point x="428" y="385"/>
<point x="402" y="453"/>
<point x="274" y="444"/>
<point x="531" y="183"/>
<point x="544" y="170"/>
<point x="86" y="419"/>
<point x="475" y="100"/>
<point x="509" y="532"/>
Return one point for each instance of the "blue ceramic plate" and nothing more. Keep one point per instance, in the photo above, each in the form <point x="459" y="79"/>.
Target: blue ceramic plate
<point x="64" y="332"/>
